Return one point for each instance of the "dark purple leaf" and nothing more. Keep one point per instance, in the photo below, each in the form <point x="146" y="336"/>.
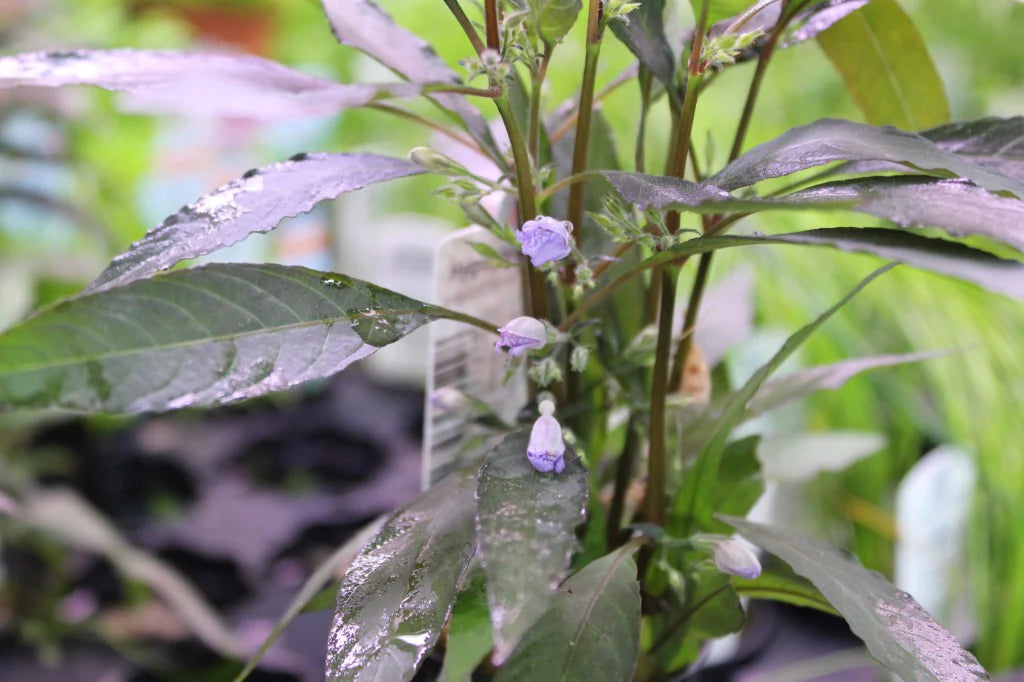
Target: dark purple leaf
<point x="813" y="20"/>
<point x="256" y="202"/>
<point x="832" y="140"/>
<point x="657" y="191"/>
<point x="196" y="84"/>
<point x="362" y="25"/>
<point x="897" y="631"/>
<point x="997" y="143"/>
<point x="955" y="206"/>
<point x="644" y="35"/>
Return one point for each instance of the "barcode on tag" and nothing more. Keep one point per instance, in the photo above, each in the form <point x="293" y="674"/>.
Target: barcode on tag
<point x="462" y="358"/>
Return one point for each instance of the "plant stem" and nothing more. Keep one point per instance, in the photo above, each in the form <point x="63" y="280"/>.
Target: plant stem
<point x="645" y="80"/>
<point x="533" y="132"/>
<point x="566" y="182"/>
<point x="623" y="477"/>
<point x="462" y="317"/>
<point x="656" y="459"/>
<point x="490" y="93"/>
<point x="533" y="280"/>
<point x="585" y="109"/>
<point x="491" y="24"/>
<point x="466" y="24"/>
<point x="690" y="321"/>
<point x="755" y="87"/>
<point x="570" y="119"/>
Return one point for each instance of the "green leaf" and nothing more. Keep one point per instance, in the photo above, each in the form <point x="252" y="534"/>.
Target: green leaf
<point x="525" y="524"/>
<point x="205" y="336"/>
<point x="711" y="608"/>
<point x="693" y="504"/>
<point x="886" y="68"/>
<point x="256" y="202"/>
<point x="898" y="632"/>
<point x="396" y="597"/>
<point x="740" y="483"/>
<point x="831" y="140"/>
<point x="720" y="9"/>
<point x="469" y="632"/>
<point x="312" y="597"/>
<point x="644" y="35"/>
<point x="590" y="631"/>
<point x="552" y="19"/>
<point x="781" y="584"/>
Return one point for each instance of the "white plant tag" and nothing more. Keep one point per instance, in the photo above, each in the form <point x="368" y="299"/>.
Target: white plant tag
<point x="462" y="360"/>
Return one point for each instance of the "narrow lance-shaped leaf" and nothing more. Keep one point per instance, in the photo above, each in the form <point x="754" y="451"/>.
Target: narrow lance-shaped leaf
<point x="898" y="632"/>
<point x="256" y="202"/>
<point x="396" y="597"/>
<point x="205" y="336"/>
<point x="831" y="140"/>
<point x="591" y="630"/>
<point x="644" y="35"/>
<point x="362" y="25"/>
<point x="525" y="524"/>
<point x="196" y="84"/>
<point x="955" y="206"/>
<point x="692" y="506"/>
<point x="886" y="67"/>
<point x="997" y="143"/>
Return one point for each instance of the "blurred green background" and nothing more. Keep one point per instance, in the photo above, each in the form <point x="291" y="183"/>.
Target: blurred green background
<point x="103" y="188"/>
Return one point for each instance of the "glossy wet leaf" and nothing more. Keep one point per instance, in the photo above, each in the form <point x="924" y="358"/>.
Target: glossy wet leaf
<point x="693" y="504"/>
<point x="955" y="206"/>
<point x="830" y="140"/>
<point x="525" y="530"/>
<point x="469" y="632"/>
<point x="206" y="336"/>
<point x="552" y="19"/>
<point x="396" y="597"/>
<point x="783" y="585"/>
<point x="885" y="65"/>
<point x="196" y="84"/>
<point x="65" y="515"/>
<point x="997" y="143"/>
<point x="255" y="202"/>
<point x="589" y="632"/>
<point x="363" y="25"/>
<point x="898" y="632"/>
<point x="644" y="35"/>
<point x="656" y="191"/>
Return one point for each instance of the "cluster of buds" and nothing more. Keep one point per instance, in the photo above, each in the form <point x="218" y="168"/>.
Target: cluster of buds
<point x="489" y="64"/>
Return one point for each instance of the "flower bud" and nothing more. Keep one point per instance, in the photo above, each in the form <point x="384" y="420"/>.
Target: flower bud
<point x="522" y="334"/>
<point x="578" y="358"/>
<point x="545" y="239"/>
<point x="546" y="448"/>
<point x="435" y="161"/>
<point x="734" y="557"/>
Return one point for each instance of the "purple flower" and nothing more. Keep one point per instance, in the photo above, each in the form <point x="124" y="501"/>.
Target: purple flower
<point x="546" y="448"/>
<point x="545" y="239"/>
<point x="522" y="334"/>
<point x="735" y="558"/>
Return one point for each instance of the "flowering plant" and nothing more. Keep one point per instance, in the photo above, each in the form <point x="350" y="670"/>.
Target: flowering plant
<point x="591" y="541"/>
